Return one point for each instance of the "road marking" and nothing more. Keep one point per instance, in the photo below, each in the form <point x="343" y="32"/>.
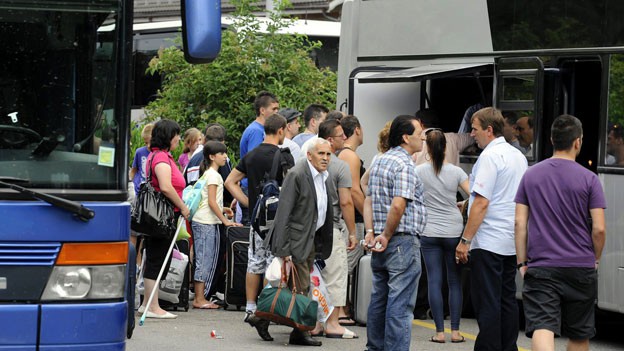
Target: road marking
<point x="448" y="331"/>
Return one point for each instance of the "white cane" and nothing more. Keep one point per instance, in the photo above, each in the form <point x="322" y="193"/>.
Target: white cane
<point x="162" y="269"/>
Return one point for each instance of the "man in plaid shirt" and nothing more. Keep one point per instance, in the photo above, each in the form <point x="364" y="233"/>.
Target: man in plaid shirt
<point x="395" y="216"/>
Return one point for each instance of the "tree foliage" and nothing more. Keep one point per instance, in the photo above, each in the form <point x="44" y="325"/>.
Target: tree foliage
<point x="254" y="57"/>
<point x="616" y="90"/>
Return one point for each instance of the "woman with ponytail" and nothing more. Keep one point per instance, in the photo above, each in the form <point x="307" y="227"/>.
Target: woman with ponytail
<point x="443" y="231"/>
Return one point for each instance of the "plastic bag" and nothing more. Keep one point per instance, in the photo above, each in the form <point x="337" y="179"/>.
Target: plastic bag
<point x="273" y="273"/>
<point x="168" y="289"/>
<point x="318" y="292"/>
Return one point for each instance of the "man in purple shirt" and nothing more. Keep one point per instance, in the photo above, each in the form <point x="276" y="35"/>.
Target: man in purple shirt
<point x="559" y="234"/>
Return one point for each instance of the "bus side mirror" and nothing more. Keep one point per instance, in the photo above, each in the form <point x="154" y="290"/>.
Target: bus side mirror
<point x="201" y="30"/>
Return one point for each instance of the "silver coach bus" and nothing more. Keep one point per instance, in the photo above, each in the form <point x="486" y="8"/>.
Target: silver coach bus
<point x="537" y="58"/>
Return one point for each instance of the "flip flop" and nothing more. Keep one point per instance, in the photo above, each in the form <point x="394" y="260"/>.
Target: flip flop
<point x="433" y="339"/>
<point x="346" y="335"/>
<point x="319" y="334"/>
<point x="457" y="341"/>
<point x="346" y="321"/>
<point x="207" y="306"/>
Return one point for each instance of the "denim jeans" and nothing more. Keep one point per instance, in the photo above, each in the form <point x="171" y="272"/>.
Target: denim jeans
<point x="206" y="244"/>
<point x="439" y="253"/>
<point x="395" y="281"/>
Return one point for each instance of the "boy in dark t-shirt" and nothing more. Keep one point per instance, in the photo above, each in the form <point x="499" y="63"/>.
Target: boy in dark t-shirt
<point x="254" y="166"/>
<point x="257" y="163"/>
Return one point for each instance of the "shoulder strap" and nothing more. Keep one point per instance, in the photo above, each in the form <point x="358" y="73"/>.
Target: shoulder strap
<point x="148" y="171"/>
<point x="276" y="163"/>
<point x="148" y="177"/>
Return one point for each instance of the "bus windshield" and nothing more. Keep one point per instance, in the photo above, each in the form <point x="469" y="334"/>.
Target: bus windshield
<point x="59" y="121"/>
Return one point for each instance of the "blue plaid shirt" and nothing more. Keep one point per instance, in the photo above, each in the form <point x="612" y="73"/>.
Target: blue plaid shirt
<point x="393" y="174"/>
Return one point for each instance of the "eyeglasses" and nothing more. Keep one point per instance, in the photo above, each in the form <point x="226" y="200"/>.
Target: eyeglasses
<point x="427" y="131"/>
<point x="340" y="136"/>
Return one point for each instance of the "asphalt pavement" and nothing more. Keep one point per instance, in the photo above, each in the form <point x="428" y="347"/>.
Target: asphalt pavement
<point x="192" y="331"/>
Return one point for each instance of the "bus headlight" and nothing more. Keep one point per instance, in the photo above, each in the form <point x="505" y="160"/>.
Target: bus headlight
<point x="85" y="282"/>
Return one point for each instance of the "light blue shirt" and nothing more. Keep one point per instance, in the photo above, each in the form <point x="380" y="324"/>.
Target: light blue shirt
<point x="321" y="194"/>
<point x="301" y="138"/>
<point x="496" y="177"/>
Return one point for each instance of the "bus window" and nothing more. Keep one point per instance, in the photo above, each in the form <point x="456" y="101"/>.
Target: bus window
<point x="520" y="90"/>
<point x="615" y="136"/>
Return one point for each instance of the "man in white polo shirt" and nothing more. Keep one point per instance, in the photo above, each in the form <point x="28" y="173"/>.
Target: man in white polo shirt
<point x="489" y="233"/>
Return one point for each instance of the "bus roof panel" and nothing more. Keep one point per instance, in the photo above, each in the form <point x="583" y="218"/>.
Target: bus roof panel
<point x="426" y="72"/>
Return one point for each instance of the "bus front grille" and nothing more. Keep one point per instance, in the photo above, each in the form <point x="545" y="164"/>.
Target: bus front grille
<point x="28" y="254"/>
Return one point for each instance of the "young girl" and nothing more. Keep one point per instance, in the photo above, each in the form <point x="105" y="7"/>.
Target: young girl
<point x="192" y="139"/>
<point x="206" y="222"/>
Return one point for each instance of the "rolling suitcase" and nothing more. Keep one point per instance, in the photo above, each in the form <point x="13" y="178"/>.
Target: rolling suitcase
<point x="361" y="289"/>
<point x="237" y="243"/>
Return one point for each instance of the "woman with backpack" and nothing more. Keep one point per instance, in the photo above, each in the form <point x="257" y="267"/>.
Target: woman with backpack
<point x="205" y="222"/>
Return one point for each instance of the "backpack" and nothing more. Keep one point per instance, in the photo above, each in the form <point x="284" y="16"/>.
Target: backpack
<point x="192" y="195"/>
<point x="263" y="213"/>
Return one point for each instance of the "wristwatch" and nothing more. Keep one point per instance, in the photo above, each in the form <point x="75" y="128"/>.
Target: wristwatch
<point x="522" y="264"/>
<point x="465" y="241"/>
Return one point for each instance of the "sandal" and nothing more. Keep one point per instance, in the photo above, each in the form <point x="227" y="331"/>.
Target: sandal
<point x="433" y="339"/>
<point x="346" y="321"/>
<point x="457" y="341"/>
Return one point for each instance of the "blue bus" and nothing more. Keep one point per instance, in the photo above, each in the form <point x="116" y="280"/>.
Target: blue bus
<point x="64" y="141"/>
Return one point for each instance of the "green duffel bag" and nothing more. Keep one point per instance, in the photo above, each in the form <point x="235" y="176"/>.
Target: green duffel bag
<point x="286" y="307"/>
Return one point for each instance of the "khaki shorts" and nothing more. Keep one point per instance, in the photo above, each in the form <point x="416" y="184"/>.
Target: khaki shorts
<point x="336" y="272"/>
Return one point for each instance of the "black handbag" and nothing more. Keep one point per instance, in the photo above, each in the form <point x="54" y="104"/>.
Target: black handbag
<point x="152" y="213"/>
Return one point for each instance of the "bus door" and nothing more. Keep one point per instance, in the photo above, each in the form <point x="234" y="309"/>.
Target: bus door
<point x="519" y="87"/>
<point x="378" y="94"/>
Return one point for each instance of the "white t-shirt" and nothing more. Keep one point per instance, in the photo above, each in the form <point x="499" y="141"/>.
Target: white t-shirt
<point x="204" y="214"/>
<point x="496" y="177"/>
<point x="443" y="217"/>
<point x="295" y="150"/>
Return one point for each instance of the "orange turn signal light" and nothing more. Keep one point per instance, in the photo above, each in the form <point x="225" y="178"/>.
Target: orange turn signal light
<point x="93" y="253"/>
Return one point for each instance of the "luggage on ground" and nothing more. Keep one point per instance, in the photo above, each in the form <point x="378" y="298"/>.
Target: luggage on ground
<point x="183" y="297"/>
<point x="237" y="243"/>
<point x="361" y="289"/>
<point x="176" y="279"/>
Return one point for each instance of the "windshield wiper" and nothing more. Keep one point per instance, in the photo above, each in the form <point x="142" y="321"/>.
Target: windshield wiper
<point x="84" y="213"/>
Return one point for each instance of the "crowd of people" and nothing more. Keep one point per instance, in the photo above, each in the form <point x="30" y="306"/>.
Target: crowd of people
<point x="404" y="210"/>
